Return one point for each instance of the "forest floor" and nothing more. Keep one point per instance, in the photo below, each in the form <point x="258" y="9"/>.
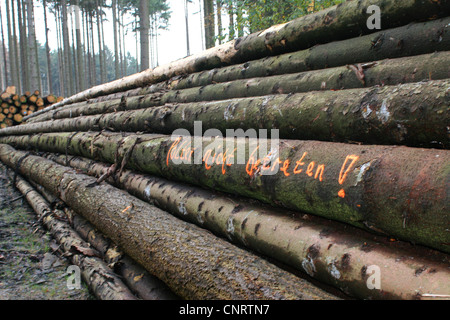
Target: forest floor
<point x="31" y="265"/>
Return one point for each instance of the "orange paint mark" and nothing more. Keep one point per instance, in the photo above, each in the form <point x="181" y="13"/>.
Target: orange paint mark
<point x="275" y="163"/>
<point x="206" y="158"/>
<point x="126" y="209"/>
<point x="319" y="172"/>
<point x="169" y="154"/>
<point x="341" y="193"/>
<point x="285" y="167"/>
<point x="252" y="163"/>
<point x="343" y="174"/>
<point x="299" y="164"/>
<point x="309" y="170"/>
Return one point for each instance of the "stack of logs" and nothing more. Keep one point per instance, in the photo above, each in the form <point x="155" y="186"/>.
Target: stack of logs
<point x="15" y="107"/>
<point x="348" y="199"/>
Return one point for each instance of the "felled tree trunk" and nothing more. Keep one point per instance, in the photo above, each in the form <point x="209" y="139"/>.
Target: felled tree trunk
<point x="191" y="261"/>
<point x="143" y="284"/>
<point x="381" y="73"/>
<point x="411" y="114"/>
<point x="330" y="252"/>
<point x="99" y="277"/>
<point x="321" y="27"/>
<point x="413" y="39"/>
<point x="397" y="190"/>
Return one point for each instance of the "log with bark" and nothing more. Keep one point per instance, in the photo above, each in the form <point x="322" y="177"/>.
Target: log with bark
<point x="194" y="263"/>
<point x="407" y="41"/>
<point x="14" y="107"/>
<point x="139" y="281"/>
<point x="333" y="253"/>
<point x="411" y="114"/>
<point x="396" y="190"/>
<point x="321" y="27"/>
<point x="102" y="281"/>
<point x="414" y="39"/>
<point x="378" y="73"/>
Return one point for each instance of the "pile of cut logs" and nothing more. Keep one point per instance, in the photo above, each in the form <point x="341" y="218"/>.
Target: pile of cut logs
<point x="15" y="107"/>
<point x="348" y="199"/>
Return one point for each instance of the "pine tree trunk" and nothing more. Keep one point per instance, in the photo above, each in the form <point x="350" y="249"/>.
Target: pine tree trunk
<point x="116" y="41"/>
<point x="219" y="20"/>
<point x="144" y="26"/>
<point x="66" y="49"/>
<point x="24" y="53"/>
<point x="81" y="67"/>
<point x="47" y="50"/>
<point x="208" y="7"/>
<point x="33" y="58"/>
<point x="5" y="59"/>
<point x="231" y="26"/>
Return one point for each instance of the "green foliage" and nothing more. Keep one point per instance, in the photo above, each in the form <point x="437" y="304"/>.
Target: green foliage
<point x="262" y="14"/>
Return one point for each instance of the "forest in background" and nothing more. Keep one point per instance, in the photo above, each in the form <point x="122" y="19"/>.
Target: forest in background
<point x="82" y="58"/>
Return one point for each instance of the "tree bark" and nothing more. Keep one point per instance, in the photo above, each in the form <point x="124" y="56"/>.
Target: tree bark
<point x="142" y="283"/>
<point x="408" y="41"/>
<point x="35" y="78"/>
<point x="208" y="17"/>
<point x="11" y="46"/>
<point x="80" y="48"/>
<point x="344" y="182"/>
<point x="414" y="39"/>
<point x="116" y="43"/>
<point x="330" y="252"/>
<point x="333" y="24"/>
<point x="378" y="73"/>
<point x="194" y="263"/>
<point x="66" y="49"/>
<point x="144" y="25"/>
<point x="47" y="51"/>
<point x="408" y="114"/>
<point x="101" y="279"/>
<point x="23" y="44"/>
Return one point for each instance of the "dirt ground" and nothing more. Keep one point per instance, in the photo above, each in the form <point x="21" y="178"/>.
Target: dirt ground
<point x="31" y="266"/>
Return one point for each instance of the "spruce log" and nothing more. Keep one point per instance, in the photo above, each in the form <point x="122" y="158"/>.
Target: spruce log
<point x="413" y="39"/>
<point x="194" y="263"/>
<point x="346" y="20"/>
<point x="330" y="252"/>
<point x="142" y="283"/>
<point x="399" y="191"/>
<point x="410" y="114"/>
<point x="379" y="73"/>
<point x="100" y="278"/>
